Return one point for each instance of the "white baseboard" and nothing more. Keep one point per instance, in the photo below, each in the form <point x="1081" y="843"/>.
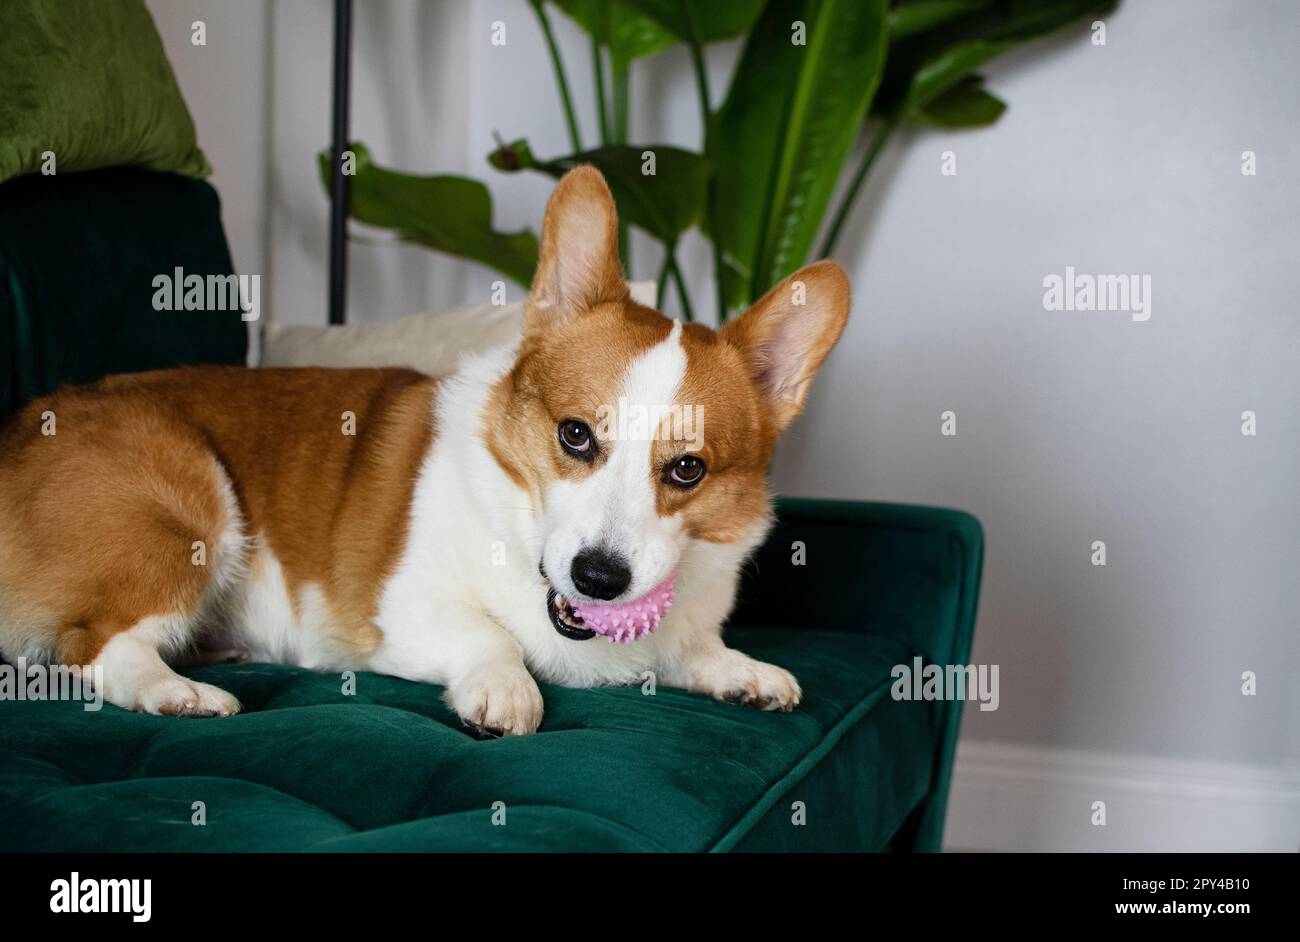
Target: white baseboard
<point x="1018" y="798"/>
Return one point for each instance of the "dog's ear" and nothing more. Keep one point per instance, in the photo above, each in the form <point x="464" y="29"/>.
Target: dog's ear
<point x="788" y="333"/>
<point x="577" y="262"/>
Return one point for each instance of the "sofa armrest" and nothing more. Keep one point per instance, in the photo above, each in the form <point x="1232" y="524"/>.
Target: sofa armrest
<point x="79" y="253"/>
<point x="908" y="573"/>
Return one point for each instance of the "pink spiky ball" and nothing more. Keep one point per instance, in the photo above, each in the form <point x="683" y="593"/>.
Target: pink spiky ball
<point x="629" y="621"/>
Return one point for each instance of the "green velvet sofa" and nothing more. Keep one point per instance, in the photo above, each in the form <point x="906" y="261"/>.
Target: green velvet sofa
<point x="387" y="767"/>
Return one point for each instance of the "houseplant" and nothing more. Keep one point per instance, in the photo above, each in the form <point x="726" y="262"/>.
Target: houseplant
<point x="813" y="77"/>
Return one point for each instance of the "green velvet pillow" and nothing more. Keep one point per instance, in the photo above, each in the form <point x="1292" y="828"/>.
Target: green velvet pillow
<point x="89" y="81"/>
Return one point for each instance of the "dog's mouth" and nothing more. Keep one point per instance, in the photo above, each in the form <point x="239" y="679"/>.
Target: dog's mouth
<point x="566" y="621"/>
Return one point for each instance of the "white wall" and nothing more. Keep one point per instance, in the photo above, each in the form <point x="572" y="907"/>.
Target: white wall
<point x="1075" y="427"/>
<point x="409" y="104"/>
<point x="429" y="91"/>
<point x="1072" y="427"/>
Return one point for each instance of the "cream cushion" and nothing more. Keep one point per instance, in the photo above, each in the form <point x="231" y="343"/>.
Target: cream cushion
<point x="431" y="342"/>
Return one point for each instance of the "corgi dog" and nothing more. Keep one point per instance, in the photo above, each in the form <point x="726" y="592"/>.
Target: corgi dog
<point x="458" y="531"/>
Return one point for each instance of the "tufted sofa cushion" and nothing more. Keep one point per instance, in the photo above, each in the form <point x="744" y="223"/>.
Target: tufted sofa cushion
<point x="389" y="768"/>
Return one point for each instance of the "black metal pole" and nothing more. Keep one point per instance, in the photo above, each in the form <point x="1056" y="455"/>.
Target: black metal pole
<point x="338" y="180"/>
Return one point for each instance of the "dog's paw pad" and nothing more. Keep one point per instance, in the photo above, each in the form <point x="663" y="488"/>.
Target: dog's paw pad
<point x="497" y="701"/>
<point x="481" y="732"/>
<point x="739" y="679"/>
<point x="176" y="696"/>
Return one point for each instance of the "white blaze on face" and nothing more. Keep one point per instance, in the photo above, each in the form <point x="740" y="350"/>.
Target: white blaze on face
<point x="614" y="508"/>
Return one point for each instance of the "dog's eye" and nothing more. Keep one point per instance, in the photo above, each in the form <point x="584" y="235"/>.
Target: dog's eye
<point x="576" y="438"/>
<point x="686" y="471"/>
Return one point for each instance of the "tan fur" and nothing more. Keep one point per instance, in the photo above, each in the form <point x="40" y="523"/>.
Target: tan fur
<point x="100" y="518"/>
<point x="566" y="373"/>
<point x="738" y="443"/>
<point x="582" y="330"/>
<point x="577" y="265"/>
<point x="786" y="336"/>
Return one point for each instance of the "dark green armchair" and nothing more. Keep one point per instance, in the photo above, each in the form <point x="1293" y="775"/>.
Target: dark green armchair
<point x="313" y="764"/>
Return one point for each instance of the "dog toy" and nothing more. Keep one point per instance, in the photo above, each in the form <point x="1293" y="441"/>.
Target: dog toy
<point x="632" y="620"/>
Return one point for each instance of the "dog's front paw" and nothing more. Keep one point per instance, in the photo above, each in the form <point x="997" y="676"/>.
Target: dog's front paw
<point x="497" y="700"/>
<point x="738" y="678"/>
<point x="178" y="696"/>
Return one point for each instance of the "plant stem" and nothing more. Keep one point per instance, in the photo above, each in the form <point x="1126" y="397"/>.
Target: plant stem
<point x="619" y="132"/>
<point x="846" y="204"/>
<point x="687" y="314"/>
<point x="711" y="197"/>
<point x="598" y="77"/>
<point x="560" y="78"/>
<point x="661" y="286"/>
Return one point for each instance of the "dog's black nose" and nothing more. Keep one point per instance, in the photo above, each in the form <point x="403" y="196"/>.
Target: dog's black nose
<point x="598" y="574"/>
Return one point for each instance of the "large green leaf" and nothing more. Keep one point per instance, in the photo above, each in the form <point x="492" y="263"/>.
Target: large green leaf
<point x="450" y="214"/>
<point x="965" y="105"/>
<point x="789" y="120"/>
<point x="948" y="69"/>
<point x="618" y="25"/>
<point x="927" y="61"/>
<point x="1029" y="19"/>
<point x="916" y="16"/>
<point x="702" y="22"/>
<point x="664" y="204"/>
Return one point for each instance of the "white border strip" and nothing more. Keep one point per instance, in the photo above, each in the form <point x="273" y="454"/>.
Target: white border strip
<point x="1018" y="798"/>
